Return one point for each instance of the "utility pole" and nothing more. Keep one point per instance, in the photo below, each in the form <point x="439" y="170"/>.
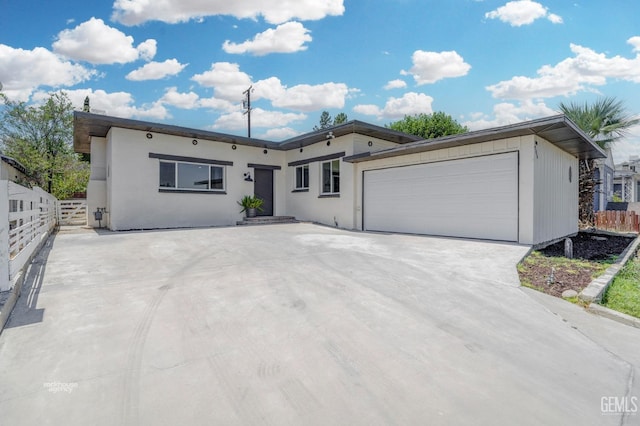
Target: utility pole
<point x="246" y="105"/>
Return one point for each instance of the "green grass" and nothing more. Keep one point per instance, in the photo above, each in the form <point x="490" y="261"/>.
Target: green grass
<point x="624" y="293"/>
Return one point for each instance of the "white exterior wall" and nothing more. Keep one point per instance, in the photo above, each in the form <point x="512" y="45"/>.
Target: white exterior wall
<point x="523" y="145"/>
<point x="555" y="197"/>
<point x="8" y="172"/>
<point x="97" y="186"/>
<point x="133" y="181"/>
<point x="310" y="206"/>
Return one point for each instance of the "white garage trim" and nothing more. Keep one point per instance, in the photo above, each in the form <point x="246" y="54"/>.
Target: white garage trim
<point x="474" y="197"/>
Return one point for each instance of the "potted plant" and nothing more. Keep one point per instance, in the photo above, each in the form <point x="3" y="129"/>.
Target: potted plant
<point x="251" y="205"/>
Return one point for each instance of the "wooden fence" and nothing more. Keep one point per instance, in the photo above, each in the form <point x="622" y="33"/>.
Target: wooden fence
<point x="26" y="218"/>
<point x="621" y="221"/>
<point x="72" y="212"/>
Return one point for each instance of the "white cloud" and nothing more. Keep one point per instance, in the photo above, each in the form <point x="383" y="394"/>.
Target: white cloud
<point x="395" y="84"/>
<point x="134" y="12"/>
<point x="118" y="104"/>
<point x="147" y="49"/>
<point x="507" y="113"/>
<point x="555" y="19"/>
<point x="579" y="73"/>
<point x="279" y="134"/>
<point x="627" y="146"/>
<point x="156" y="70"/>
<point x="409" y="104"/>
<point x="305" y="97"/>
<point x="286" y="38"/>
<point x="429" y="67"/>
<point x="218" y="104"/>
<point x="23" y="71"/>
<point x="180" y="100"/>
<point x="259" y="118"/>
<point x="226" y="79"/>
<point x="94" y="41"/>
<point x="522" y="12"/>
<point x="228" y="83"/>
<point x="367" y="109"/>
<point x="635" y="42"/>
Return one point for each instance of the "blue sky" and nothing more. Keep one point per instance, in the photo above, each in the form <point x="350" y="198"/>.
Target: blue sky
<point x="187" y="62"/>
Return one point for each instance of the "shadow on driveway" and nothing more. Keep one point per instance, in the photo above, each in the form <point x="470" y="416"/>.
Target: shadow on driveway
<point x="26" y="312"/>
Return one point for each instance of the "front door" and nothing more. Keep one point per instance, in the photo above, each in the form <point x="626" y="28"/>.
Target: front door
<point x="263" y="188"/>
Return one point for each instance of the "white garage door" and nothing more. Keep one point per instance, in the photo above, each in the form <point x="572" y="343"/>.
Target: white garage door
<point x="471" y="198"/>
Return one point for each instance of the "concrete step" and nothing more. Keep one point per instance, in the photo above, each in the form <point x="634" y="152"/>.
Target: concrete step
<point x="266" y="220"/>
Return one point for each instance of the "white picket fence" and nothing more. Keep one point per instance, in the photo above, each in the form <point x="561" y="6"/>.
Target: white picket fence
<point x="72" y="212"/>
<point x="27" y="216"/>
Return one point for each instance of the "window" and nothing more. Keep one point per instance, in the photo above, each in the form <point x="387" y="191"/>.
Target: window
<point x="331" y="177"/>
<point x="191" y="176"/>
<point x="302" y="177"/>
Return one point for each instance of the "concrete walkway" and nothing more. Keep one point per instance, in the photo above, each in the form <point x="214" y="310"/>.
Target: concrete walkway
<point x="300" y="324"/>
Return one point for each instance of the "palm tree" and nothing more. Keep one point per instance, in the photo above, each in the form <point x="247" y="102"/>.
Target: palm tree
<point x="605" y="121"/>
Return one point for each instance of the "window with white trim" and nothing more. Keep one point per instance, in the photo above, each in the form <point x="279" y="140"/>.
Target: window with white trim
<point x="330" y="177"/>
<point x="302" y="177"/>
<point x="191" y="176"/>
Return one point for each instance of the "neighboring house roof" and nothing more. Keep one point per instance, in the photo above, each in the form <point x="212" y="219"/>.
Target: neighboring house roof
<point x="12" y="162"/>
<point x="87" y="125"/>
<point x="558" y="130"/>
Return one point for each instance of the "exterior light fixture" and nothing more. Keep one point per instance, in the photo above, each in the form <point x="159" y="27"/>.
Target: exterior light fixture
<point x="195" y="142"/>
<point x="233" y="147"/>
<point x="247" y="177"/>
<point x="149" y="136"/>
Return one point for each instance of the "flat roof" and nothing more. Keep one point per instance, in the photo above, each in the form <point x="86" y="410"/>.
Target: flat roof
<point x="86" y="125"/>
<point x="558" y="130"/>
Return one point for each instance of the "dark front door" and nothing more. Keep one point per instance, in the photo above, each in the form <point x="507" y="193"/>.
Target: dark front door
<point x="263" y="188"/>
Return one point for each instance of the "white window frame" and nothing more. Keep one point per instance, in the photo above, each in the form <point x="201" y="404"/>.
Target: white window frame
<point x="295" y="177"/>
<point x="176" y="178"/>
<point x="332" y="189"/>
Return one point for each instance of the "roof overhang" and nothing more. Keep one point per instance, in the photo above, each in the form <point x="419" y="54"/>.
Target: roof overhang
<point x="87" y="125"/>
<point x="354" y="126"/>
<point x="558" y="130"/>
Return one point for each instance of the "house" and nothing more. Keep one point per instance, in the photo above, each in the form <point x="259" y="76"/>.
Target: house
<point x="12" y="170"/>
<point x="603" y="176"/>
<point x="626" y="181"/>
<point x="514" y="183"/>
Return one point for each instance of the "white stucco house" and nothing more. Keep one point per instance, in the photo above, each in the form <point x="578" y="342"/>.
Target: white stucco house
<point x="514" y="183"/>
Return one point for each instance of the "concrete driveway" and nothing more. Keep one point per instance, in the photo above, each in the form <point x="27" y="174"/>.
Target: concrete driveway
<point x="297" y="324"/>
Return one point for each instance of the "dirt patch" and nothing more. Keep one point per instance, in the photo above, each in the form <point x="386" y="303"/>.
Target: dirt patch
<point x="549" y="271"/>
<point x="591" y="246"/>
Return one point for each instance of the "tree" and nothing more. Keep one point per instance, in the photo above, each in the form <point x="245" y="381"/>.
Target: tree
<point x="325" y="121"/>
<point x="605" y="121"/>
<point x="40" y="137"/>
<point x="340" y="119"/>
<point x="429" y="126"/>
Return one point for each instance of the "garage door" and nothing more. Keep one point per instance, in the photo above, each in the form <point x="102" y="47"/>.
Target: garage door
<point x="471" y="198"/>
